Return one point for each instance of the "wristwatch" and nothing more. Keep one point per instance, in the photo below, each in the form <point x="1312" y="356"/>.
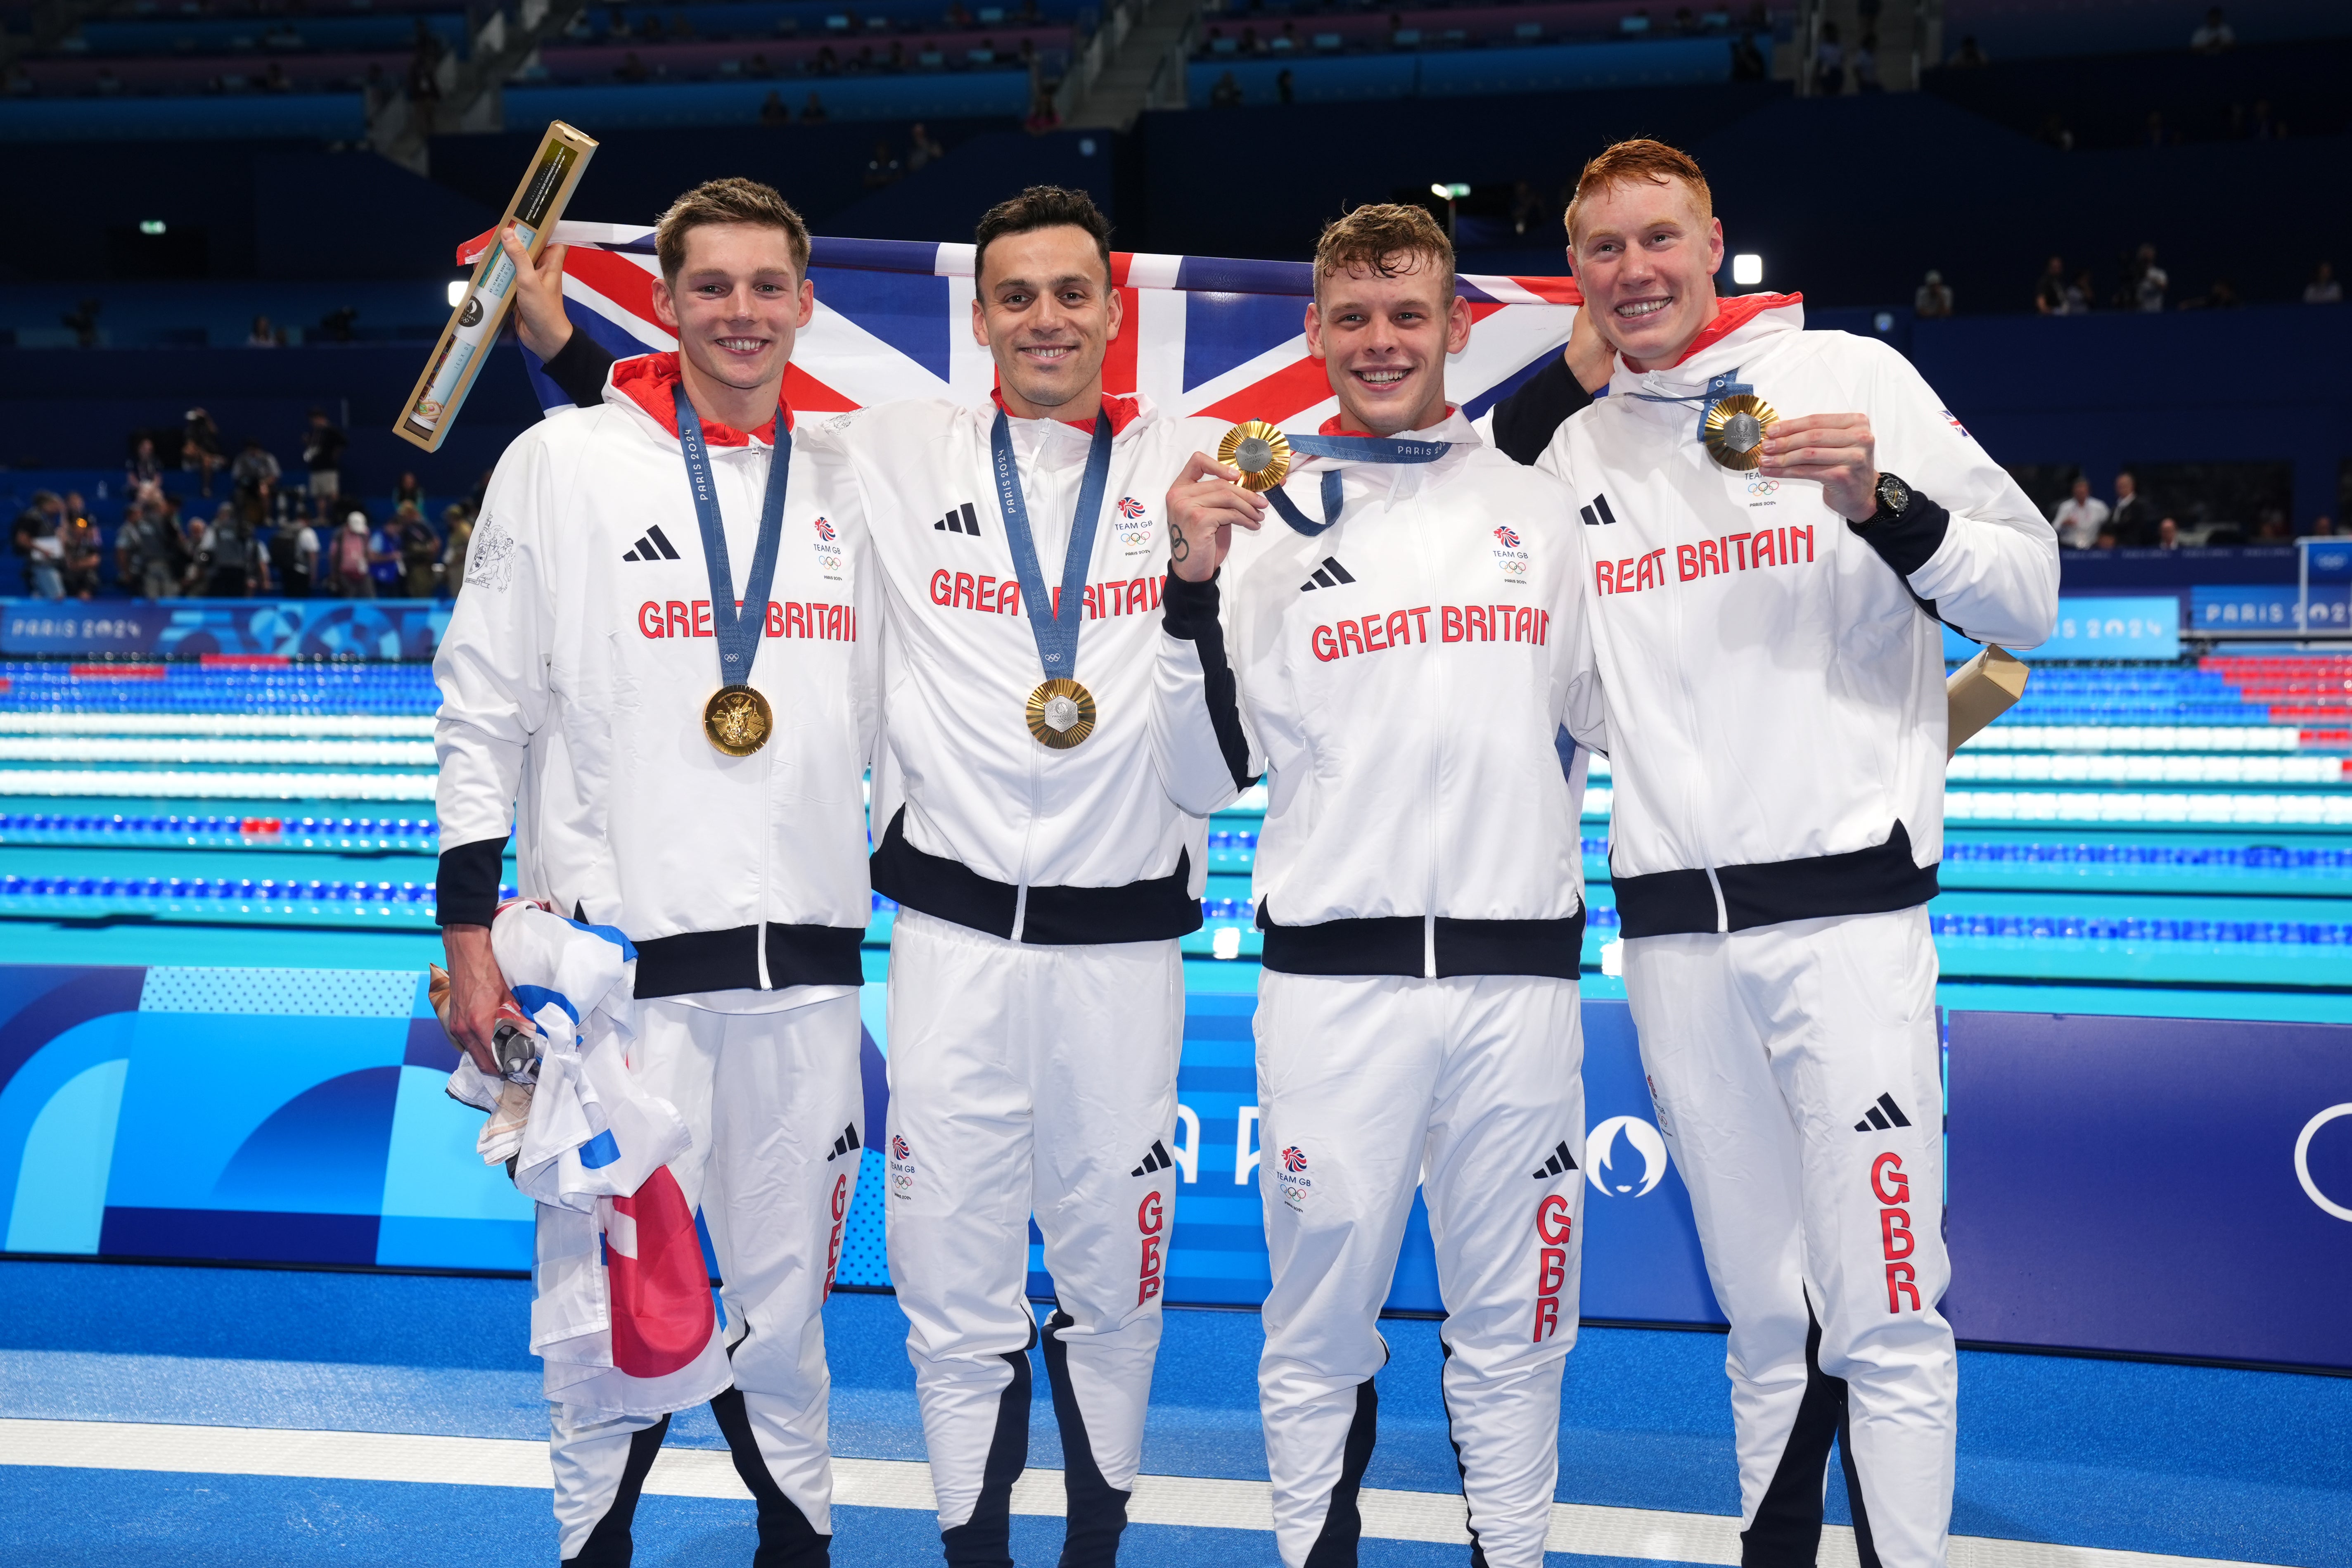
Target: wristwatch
<point x="1894" y="500"/>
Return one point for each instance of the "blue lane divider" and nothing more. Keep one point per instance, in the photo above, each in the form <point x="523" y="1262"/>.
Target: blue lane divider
<point x="93" y="830"/>
<point x="2076" y="928"/>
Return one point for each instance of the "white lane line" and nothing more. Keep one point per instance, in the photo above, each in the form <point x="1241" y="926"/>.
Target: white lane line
<point x="245" y="750"/>
<point x="1649" y="1534"/>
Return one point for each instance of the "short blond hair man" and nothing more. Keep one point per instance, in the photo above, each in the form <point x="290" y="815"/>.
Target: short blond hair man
<point x="1765" y="599"/>
<point x="1406" y="645"/>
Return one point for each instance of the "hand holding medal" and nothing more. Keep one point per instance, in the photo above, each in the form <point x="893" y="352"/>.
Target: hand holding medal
<point x="1836" y="450"/>
<point x="1212" y="497"/>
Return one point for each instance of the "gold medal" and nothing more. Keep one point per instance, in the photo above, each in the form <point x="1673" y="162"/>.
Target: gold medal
<point x="739" y="721"/>
<point x="1734" y="430"/>
<point x="1259" y="451"/>
<point x="1061" y="713"/>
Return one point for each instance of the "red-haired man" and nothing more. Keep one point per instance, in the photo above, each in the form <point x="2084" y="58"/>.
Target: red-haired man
<point x="1766" y="596"/>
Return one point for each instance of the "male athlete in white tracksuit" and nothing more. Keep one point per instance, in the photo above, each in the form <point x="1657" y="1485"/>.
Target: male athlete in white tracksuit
<point x="575" y="677"/>
<point x="1768" y="642"/>
<point x="1403" y="674"/>
<point x="1036" y="989"/>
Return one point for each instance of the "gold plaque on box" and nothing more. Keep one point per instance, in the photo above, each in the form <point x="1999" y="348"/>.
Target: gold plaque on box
<point x="1259" y="451"/>
<point x="1061" y="713"/>
<point x="1735" y="429"/>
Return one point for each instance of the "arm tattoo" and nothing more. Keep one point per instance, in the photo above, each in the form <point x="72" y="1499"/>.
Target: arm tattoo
<point x="1180" y="548"/>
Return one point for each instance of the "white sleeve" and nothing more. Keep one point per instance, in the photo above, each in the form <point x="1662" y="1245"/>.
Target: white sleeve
<point x="1982" y="554"/>
<point x="492" y="669"/>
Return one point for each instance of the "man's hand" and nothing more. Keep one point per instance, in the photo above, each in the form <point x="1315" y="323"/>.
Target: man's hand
<point x="1204" y="506"/>
<point x="1836" y="449"/>
<point x="539" y="320"/>
<point x="1589" y="357"/>
<point x="476" y="992"/>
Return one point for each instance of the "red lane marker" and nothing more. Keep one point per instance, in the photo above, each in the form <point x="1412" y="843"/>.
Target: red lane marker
<point x="117" y="671"/>
<point x="244" y="660"/>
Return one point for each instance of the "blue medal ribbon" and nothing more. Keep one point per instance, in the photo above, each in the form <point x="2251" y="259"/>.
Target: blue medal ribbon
<point x="1357" y="448"/>
<point x="1719" y="387"/>
<point x="738" y="631"/>
<point x="1057" y="635"/>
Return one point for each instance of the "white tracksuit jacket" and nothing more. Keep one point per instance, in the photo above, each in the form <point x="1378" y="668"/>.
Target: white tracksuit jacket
<point x="974" y="820"/>
<point x="1402" y="678"/>
<point x="582" y="638"/>
<point x="1776" y="689"/>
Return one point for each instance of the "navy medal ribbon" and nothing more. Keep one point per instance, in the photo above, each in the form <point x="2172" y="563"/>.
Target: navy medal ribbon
<point x="1061" y="712"/>
<point x="1357" y="448"/>
<point x="738" y="718"/>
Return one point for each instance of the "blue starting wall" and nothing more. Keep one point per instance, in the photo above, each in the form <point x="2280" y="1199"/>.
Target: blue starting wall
<point x="2144" y="1186"/>
<point x="282" y="628"/>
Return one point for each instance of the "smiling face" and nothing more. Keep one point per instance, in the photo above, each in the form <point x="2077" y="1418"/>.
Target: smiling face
<point x="1645" y="255"/>
<point x="1383" y="342"/>
<point x="736" y="304"/>
<point x="1045" y="307"/>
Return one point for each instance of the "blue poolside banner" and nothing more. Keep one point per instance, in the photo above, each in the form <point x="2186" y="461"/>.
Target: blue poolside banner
<point x="2153" y="1186"/>
<point x="2097" y="628"/>
<point x="186" y="628"/>
<point x="2269" y="609"/>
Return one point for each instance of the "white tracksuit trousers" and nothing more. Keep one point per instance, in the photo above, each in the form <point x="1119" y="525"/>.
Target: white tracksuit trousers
<point x="1796" y="1074"/>
<point x="1473" y="1088"/>
<point x="1031" y="1080"/>
<point x="768" y="1097"/>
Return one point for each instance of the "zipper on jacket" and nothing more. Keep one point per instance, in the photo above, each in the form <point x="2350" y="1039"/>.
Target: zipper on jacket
<point x="1696" y="775"/>
<point x="767" y="784"/>
<point x="1430" y="816"/>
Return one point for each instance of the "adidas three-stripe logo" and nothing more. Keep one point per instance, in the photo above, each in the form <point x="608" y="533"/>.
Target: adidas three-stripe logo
<point x="1601" y="505"/>
<point x="842" y="1144"/>
<point x="654" y="546"/>
<point x="1559" y="1164"/>
<point x="959" y="520"/>
<point x="1330" y="574"/>
<point x="1883" y="1115"/>
<point x="1157" y="1159"/>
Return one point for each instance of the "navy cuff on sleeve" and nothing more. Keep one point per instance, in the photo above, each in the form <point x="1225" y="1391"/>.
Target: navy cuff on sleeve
<point x="1189" y="609"/>
<point x="580" y="368"/>
<point x="1907" y="542"/>
<point x="466" y="889"/>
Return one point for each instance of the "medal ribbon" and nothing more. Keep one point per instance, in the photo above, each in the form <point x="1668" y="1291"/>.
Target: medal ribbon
<point x="1357" y="448"/>
<point x="1728" y="384"/>
<point x="737" y="629"/>
<point x="1057" y="636"/>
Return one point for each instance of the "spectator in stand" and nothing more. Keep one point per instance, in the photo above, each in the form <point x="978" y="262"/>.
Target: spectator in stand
<point x="148" y="556"/>
<point x="812" y="111"/>
<point x="772" y="110"/>
<point x="2323" y="288"/>
<point x="263" y="335"/>
<point x="2148" y="281"/>
<point x="1748" y="62"/>
<point x="1829" y="63"/>
<point x="1933" y="301"/>
<point x="2080" y="517"/>
<point x="294" y="556"/>
<point x="351" y="572"/>
<point x="2168" y="535"/>
<point x="230" y="561"/>
<point x="1226" y="93"/>
<point x="1865" y="64"/>
<point x="459" y="522"/>
<point x="2323" y="526"/>
<point x="2050" y="294"/>
<point x="322" y="456"/>
<point x="922" y="147"/>
<point x="145" y="468"/>
<point x="82" y="547"/>
<point x="882" y="169"/>
<point x="2214" y="34"/>
<point x="1286" y="86"/>
<point x="33" y="539"/>
<point x="631" y="68"/>
<point x="1968" y="56"/>
<point x="2152" y="133"/>
<point x="2131" y="520"/>
<point x="420" y="552"/>
<point x="408" y="492"/>
<point x="255" y="474"/>
<point x="2082" y="295"/>
<point x="200" y="449"/>
<point x="384" y="558"/>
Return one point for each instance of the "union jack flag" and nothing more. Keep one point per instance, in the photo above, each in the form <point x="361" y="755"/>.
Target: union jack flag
<point x="1208" y="337"/>
<point x="1129" y="507"/>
